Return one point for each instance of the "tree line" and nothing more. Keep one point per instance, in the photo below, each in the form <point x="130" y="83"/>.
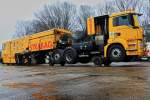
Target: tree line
<point x="72" y="17"/>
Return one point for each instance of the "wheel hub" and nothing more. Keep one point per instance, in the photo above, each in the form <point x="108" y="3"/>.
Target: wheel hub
<point x="68" y="58"/>
<point x="116" y="53"/>
<point x="57" y="56"/>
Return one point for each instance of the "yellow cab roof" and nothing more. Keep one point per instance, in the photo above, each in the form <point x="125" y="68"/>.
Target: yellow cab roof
<point x="124" y="13"/>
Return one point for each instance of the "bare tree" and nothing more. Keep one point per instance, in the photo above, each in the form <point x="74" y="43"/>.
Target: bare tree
<point x="146" y="11"/>
<point x="105" y="8"/>
<point x="127" y="4"/>
<point x="56" y="16"/>
<point x="59" y="15"/>
<point x="23" y="28"/>
<point x="84" y="13"/>
<point x="80" y="21"/>
<point x="88" y="11"/>
<point x="38" y="26"/>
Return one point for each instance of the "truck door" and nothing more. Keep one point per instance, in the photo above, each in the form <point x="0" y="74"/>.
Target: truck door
<point x="101" y="31"/>
<point x="123" y="29"/>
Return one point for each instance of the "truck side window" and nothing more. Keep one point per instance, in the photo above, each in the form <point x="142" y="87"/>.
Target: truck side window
<point x="123" y="20"/>
<point x="65" y="38"/>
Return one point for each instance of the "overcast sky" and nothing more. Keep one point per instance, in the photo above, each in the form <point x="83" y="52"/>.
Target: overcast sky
<point x="13" y="10"/>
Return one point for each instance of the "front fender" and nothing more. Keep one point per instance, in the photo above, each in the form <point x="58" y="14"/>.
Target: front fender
<point x="114" y="42"/>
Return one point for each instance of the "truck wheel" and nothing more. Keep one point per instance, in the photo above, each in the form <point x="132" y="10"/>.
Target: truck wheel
<point x="24" y="60"/>
<point x="116" y="53"/>
<point x="70" y="56"/>
<point x="16" y="59"/>
<point x="30" y="59"/>
<point x="51" y="63"/>
<point x="19" y="59"/>
<point x="51" y="60"/>
<point x="97" y="61"/>
<point x="33" y="61"/>
<point x="58" y="56"/>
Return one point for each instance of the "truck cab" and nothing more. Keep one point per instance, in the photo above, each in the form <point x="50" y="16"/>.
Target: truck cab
<point x="122" y="35"/>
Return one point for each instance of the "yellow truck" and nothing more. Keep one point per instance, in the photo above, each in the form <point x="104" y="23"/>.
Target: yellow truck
<point x="110" y="38"/>
<point x="33" y="48"/>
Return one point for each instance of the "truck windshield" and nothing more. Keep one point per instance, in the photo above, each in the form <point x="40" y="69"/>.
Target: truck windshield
<point x="65" y="39"/>
<point x="127" y="20"/>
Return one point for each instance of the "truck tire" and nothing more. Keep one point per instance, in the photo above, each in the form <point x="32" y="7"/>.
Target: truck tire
<point x="16" y="59"/>
<point x="58" y="56"/>
<point x="97" y="60"/>
<point x="29" y="59"/>
<point x="24" y="60"/>
<point x="32" y="60"/>
<point x="116" y="53"/>
<point x="51" y="60"/>
<point x="51" y="64"/>
<point x="70" y="56"/>
<point x="19" y="59"/>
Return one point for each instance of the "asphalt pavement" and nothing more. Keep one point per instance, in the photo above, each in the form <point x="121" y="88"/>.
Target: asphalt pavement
<point x="120" y="81"/>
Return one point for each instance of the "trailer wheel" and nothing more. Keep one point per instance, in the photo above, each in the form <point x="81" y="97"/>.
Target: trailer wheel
<point x="97" y="61"/>
<point x="116" y="53"/>
<point x="19" y="59"/>
<point x="70" y="55"/>
<point x="58" y="56"/>
<point x="32" y="60"/>
<point x="51" y="63"/>
<point x="25" y="60"/>
<point x="51" y="60"/>
<point x="29" y="59"/>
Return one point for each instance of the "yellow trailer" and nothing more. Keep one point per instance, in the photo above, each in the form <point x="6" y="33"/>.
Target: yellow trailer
<point x="39" y="44"/>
